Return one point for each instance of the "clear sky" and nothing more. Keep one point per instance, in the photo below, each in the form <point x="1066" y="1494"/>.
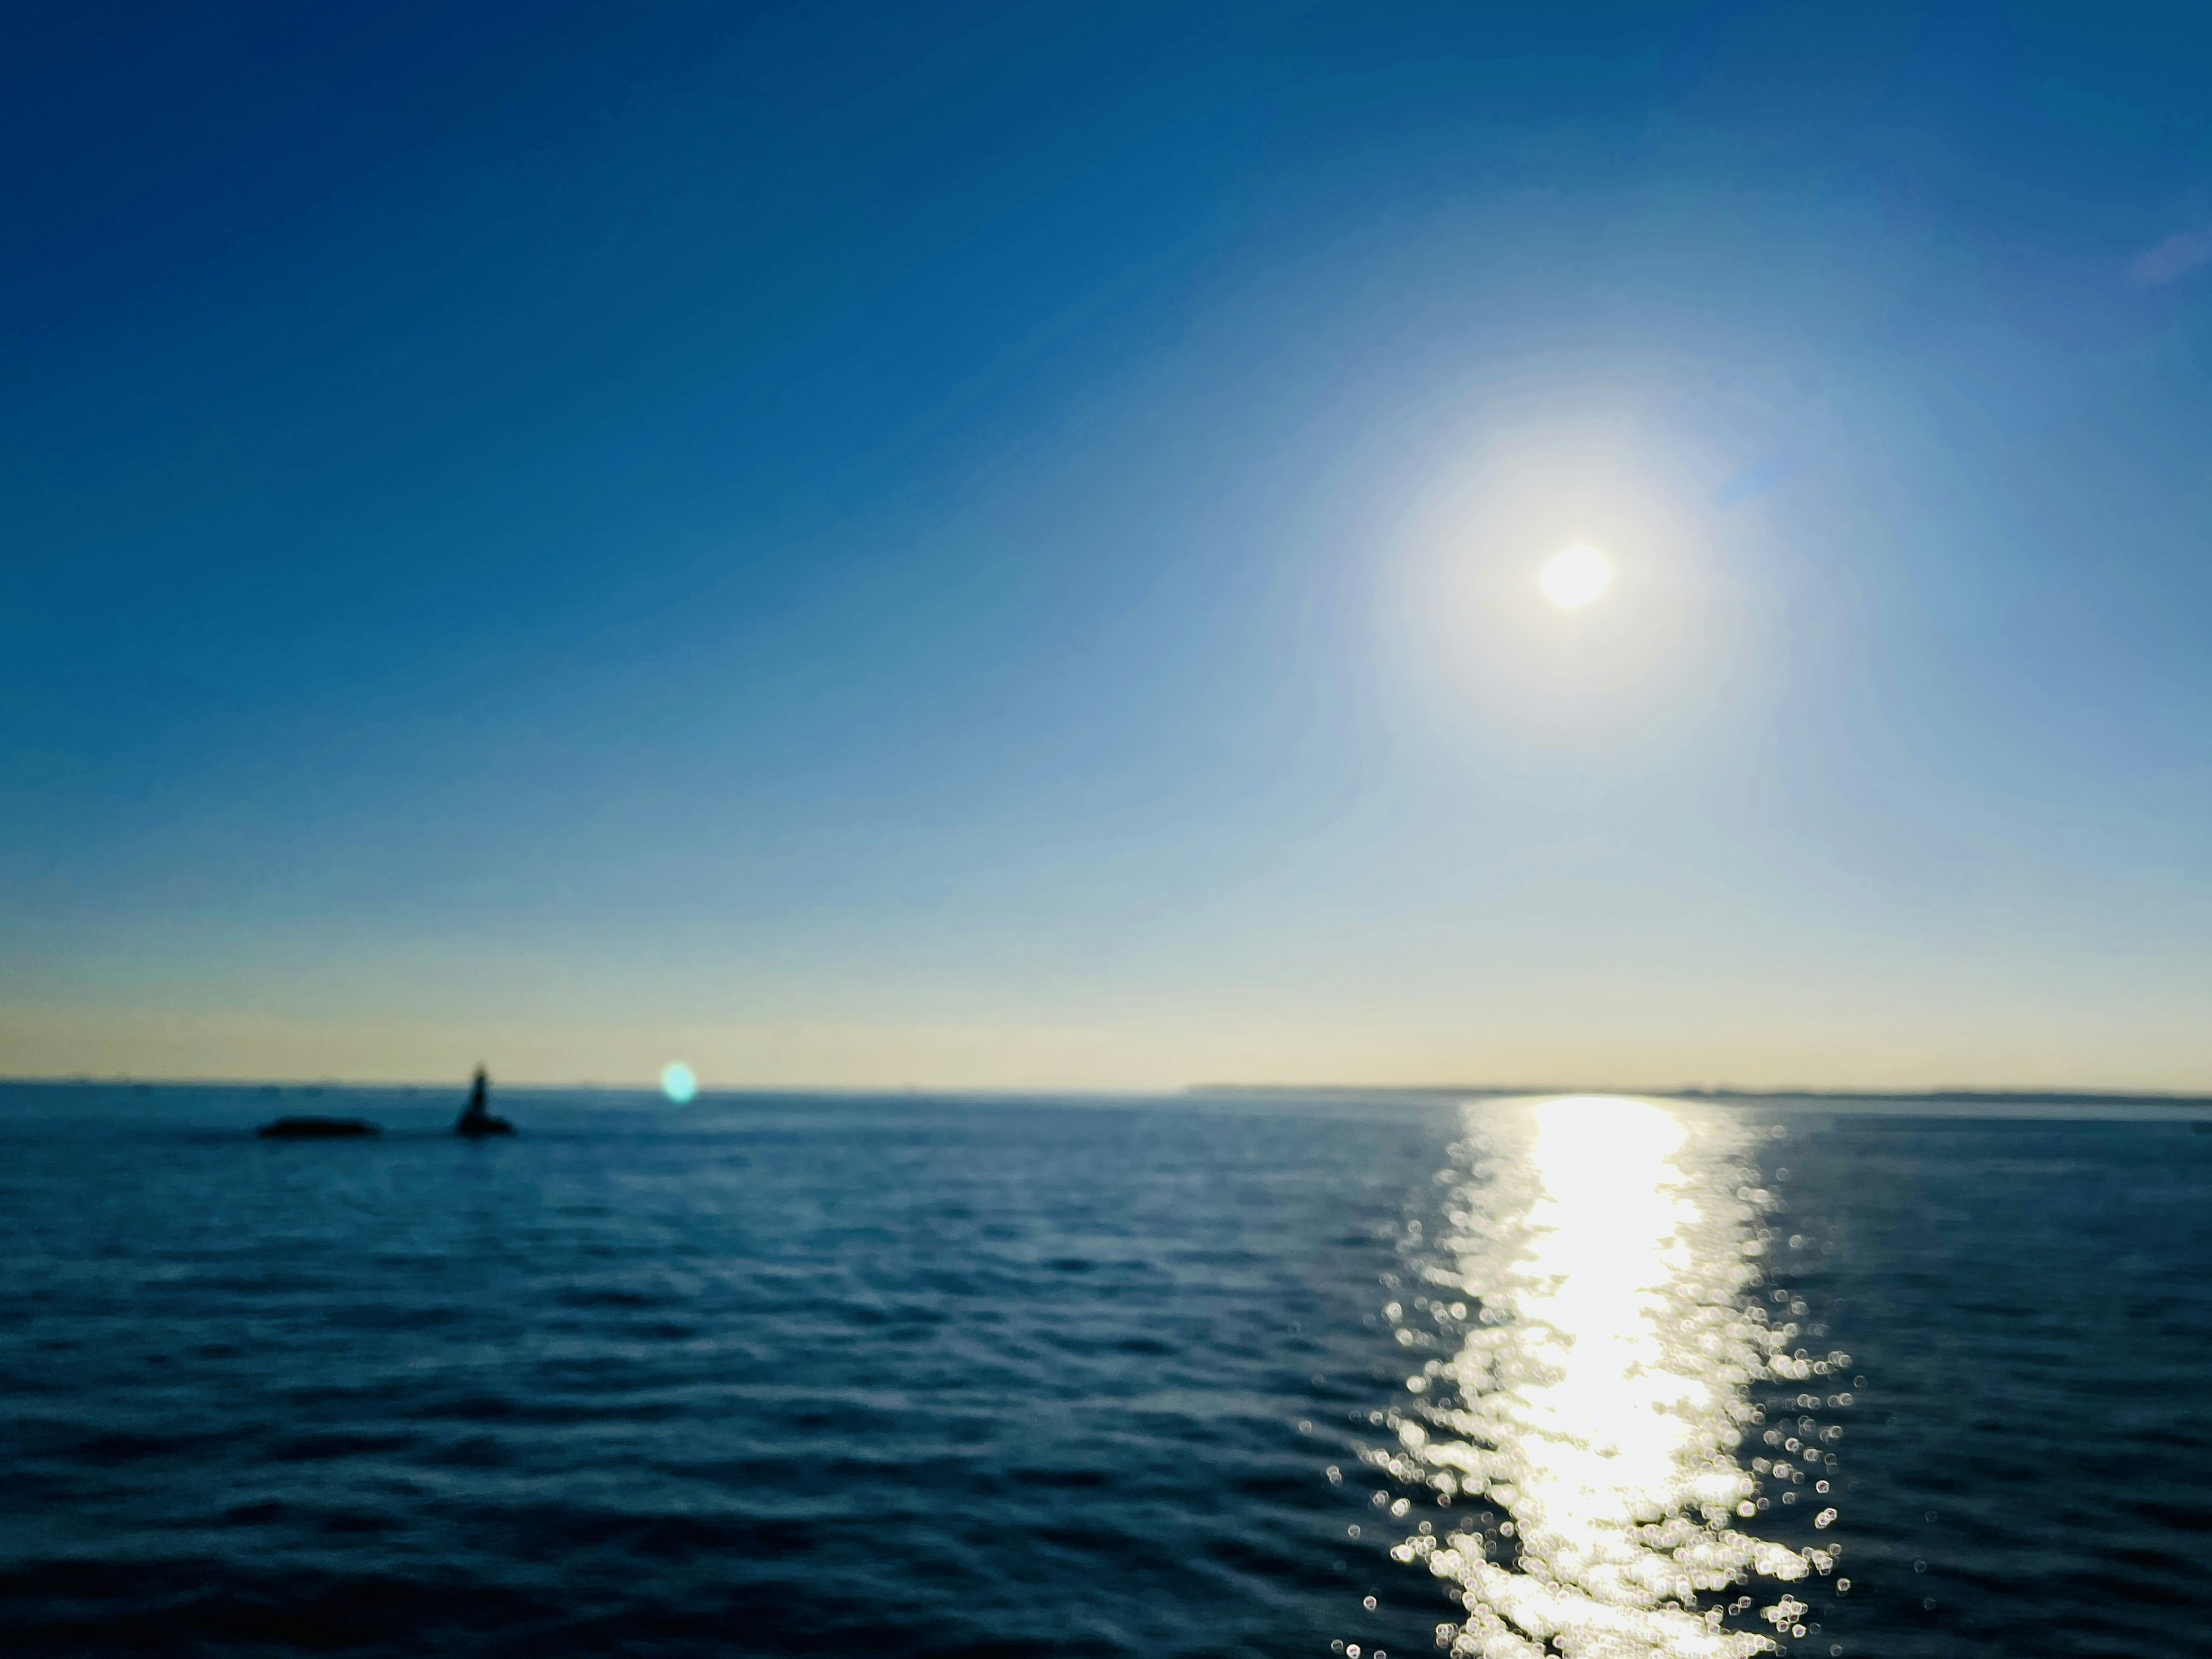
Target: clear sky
<point x="999" y="545"/>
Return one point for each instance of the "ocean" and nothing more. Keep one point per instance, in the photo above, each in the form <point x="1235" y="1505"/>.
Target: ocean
<point x="1215" y="1374"/>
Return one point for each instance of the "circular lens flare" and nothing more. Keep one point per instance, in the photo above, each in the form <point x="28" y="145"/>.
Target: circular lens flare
<point x="1575" y="577"/>
<point x="677" y="1083"/>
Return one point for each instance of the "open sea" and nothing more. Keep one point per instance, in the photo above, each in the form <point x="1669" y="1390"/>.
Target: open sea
<point x="1234" y="1375"/>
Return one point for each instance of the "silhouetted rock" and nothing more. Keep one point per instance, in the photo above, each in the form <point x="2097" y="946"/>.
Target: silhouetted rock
<point x="475" y="1119"/>
<point x="316" y="1128"/>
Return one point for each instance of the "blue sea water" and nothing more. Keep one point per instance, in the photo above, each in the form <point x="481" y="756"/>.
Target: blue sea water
<point x="1205" y="1375"/>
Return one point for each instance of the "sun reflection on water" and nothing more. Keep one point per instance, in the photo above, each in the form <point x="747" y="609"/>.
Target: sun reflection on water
<point x="1595" y="1272"/>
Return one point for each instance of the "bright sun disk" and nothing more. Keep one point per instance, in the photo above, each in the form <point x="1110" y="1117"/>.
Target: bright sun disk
<point x="1573" y="578"/>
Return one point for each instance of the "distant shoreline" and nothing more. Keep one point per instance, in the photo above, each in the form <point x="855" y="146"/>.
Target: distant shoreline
<point x="1946" y="1096"/>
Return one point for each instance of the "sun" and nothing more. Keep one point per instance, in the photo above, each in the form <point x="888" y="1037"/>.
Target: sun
<point x="1575" y="577"/>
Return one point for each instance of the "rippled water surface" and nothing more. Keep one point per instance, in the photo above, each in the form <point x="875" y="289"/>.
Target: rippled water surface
<point x="1216" y="1375"/>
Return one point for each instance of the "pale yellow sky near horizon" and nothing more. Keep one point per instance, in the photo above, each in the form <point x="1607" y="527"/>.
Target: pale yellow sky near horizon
<point x="64" y="1043"/>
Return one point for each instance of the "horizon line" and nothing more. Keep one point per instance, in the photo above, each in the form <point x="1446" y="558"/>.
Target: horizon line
<point x="2059" y="1094"/>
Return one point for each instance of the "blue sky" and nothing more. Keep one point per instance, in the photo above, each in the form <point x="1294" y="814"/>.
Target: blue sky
<point x="992" y="546"/>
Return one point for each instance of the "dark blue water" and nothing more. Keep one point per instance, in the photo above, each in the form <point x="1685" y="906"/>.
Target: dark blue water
<point x="782" y="1375"/>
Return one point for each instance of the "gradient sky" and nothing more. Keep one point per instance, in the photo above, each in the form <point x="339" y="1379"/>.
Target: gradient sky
<point x="994" y="545"/>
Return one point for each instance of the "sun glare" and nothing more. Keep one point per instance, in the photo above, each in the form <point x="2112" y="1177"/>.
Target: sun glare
<point x="1575" y="577"/>
<point x="1601" y="1397"/>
